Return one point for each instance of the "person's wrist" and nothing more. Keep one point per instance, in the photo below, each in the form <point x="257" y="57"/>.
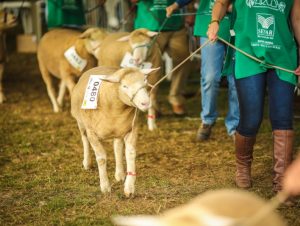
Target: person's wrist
<point x="215" y="21"/>
<point x="175" y="6"/>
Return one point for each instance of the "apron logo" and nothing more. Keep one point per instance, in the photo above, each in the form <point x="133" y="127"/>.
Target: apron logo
<point x="265" y="24"/>
<point x="271" y="4"/>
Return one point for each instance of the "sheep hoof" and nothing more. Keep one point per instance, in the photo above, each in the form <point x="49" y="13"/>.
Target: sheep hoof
<point x="120" y="176"/>
<point x="129" y="192"/>
<point x="57" y="109"/>
<point x="105" y="188"/>
<point x="87" y="164"/>
<point x="152" y="127"/>
<point x="2" y="98"/>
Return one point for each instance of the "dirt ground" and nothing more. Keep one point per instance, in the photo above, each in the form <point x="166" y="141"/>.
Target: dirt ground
<point x="42" y="181"/>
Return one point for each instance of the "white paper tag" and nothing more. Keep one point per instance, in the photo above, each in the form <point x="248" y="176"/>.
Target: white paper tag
<point x="74" y="59"/>
<point x="128" y="62"/>
<point x="232" y="32"/>
<point x="90" y="99"/>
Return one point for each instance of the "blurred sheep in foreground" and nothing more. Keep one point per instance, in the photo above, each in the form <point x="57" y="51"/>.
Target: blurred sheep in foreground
<point x="227" y="207"/>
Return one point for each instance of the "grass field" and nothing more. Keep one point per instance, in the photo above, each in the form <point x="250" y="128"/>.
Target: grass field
<point x="42" y="181"/>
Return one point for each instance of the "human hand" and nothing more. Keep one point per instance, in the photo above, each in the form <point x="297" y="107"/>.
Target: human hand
<point x="297" y="71"/>
<point x="291" y="180"/>
<point x="212" y="31"/>
<point x="171" y="8"/>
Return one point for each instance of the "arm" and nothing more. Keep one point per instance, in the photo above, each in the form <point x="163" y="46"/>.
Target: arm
<point x="218" y="12"/>
<point x="176" y="5"/>
<point x="295" y="19"/>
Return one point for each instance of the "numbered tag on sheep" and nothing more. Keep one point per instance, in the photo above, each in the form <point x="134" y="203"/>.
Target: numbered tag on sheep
<point x="90" y="99"/>
<point x="74" y="59"/>
<point x="129" y="62"/>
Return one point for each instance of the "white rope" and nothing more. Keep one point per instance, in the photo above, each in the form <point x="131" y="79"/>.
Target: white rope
<point x="254" y="58"/>
<point x="179" y="65"/>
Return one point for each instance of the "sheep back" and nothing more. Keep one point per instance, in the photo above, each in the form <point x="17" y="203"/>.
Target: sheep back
<point x="52" y="47"/>
<point x="112" y="118"/>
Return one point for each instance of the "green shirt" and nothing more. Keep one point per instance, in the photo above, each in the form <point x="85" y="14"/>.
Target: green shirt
<point x="262" y="29"/>
<point x="151" y="14"/>
<point x="203" y="19"/>
<point x="65" y="12"/>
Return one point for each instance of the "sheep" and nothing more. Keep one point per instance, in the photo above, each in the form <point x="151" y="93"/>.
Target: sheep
<point x="224" y="207"/>
<point x="120" y="93"/>
<point x="54" y="48"/>
<point x="7" y="21"/>
<point x="143" y="49"/>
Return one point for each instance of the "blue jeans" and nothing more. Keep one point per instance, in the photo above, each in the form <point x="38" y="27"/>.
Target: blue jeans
<point x="251" y="91"/>
<point x="212" y="58"/>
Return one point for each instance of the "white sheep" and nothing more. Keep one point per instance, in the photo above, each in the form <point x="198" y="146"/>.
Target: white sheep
<point x="143" y="49"/>
<point x="66" y="54"/>
<point x="225" y="207"/>
<point x="120" y="93"/>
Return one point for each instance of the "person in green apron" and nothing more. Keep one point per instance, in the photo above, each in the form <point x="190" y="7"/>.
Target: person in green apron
<point x="65" y="13"/>
<point x="212" y="61"/>
<point x="151" y="14"/>
<point x="265" y="30"/>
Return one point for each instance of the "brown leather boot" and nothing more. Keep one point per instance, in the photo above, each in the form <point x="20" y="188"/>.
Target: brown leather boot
<point x="244" y="155"/>
<point x="283" y="151"/>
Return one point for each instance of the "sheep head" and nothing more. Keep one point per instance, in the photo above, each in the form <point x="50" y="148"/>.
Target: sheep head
<point x="132" y="86"/>
<point x="140" y="42"/>
<point x="93" y="38"/>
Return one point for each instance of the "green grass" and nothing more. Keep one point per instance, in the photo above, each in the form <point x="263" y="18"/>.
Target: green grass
<point x="42" y="181"/>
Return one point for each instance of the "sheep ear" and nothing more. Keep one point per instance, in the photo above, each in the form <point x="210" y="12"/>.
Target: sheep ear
<point x="87" y="33"/>
<point x="151" y="33"/>
<point x="136" y="221"/>
<point x="149" y="70"/>
<point x="94" y="44"/>
<point x="124" y="39"/>
<point x="109" y="78"/>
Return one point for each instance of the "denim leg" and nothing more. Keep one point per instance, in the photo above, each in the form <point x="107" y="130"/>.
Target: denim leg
<point x="233" y="114"/>
<point x="212" y="57"/>
<point x="281" y="102"/>
<point x="251" y="92"/>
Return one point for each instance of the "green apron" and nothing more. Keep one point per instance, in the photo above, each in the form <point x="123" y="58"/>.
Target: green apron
<point x="262" y="29"/>
<point x="203" y="19"/>
<point x="65" y="12"/>
<point x="151" y="14"/>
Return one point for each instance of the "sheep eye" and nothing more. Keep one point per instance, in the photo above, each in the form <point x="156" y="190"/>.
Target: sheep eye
<point x="125" y="87"/>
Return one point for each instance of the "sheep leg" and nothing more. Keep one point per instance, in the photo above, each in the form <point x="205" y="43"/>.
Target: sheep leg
<point x="152" y="112"/>
<point x="87" y="160"/>
<point x="50" y="89"/>
<point x="118" y="149"/>
<point x="61" y="93"/>
<point x="2" y="97"/>
<point x="67" y="80"/>
<point x="130" y="153"/>
<point x="101" y="160"/>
